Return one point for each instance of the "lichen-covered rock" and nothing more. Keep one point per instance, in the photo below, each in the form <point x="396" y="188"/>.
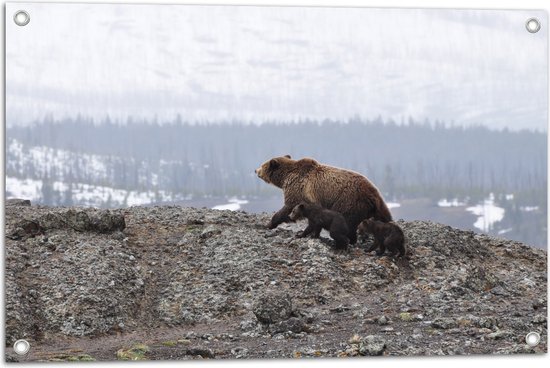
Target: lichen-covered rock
<point x="444" y="323"/>
<point x="25" y="229"/>
<point x="273" y="308"/>
<point x="83" y="220"/>
<point x="107" y="221"/>
<point x="293" y="324"/>
<point x="17" y="202"/>
<point x="372" y="345"/>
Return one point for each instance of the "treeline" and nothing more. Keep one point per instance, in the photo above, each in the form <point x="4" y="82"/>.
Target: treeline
<point x="410" y="159"/>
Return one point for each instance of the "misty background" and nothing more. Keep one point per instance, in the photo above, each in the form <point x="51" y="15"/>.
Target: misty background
<point x="118" y="105"/>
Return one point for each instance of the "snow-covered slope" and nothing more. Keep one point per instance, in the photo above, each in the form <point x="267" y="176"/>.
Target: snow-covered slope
<point x="61" y="177"/>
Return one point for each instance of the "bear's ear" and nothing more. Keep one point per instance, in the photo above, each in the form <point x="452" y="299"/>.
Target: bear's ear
<point x="288" y="156"/>
<point x="273" y="164"/>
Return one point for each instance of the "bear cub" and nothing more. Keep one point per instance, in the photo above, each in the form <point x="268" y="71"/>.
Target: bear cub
<point x="386" y="235"/>
<point x="320" y="218"/>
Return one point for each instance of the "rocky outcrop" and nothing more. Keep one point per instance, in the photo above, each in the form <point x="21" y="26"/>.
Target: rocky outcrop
<point x="76" y="273"/>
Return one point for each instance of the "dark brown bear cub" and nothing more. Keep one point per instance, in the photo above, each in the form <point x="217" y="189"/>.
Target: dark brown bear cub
<point x="386" y="235"/>
<point x="318" y="219"/>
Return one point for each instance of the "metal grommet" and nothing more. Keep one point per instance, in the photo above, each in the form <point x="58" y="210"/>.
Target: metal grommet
<point x="532" y="25"/>
<point x="21" y="347"/>
<point x="532" y="339"/>
<point x="21" y="18"/>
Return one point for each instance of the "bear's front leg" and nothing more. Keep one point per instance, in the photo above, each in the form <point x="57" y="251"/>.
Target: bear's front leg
<point x="280" y="216"/>
<point x="374" y="246"/>
<point x="317" y="232"/>
<point x="308" y="230"/>
<point x="382" y="249"/>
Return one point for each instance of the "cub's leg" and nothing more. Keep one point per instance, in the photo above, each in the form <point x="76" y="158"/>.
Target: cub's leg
<point x="340" y="240"/>
<point x="317" y="232"/>
<point x="374" y="246"/>
<point x="395" y="245"/>
<point x="308" y="230"/>
<point x="382" y="248"/>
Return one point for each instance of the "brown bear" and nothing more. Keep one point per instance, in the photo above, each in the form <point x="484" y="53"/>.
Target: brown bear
<point x="343" y="191"/>
<point x="320" y="218"/>
<point x="386" y="235"/>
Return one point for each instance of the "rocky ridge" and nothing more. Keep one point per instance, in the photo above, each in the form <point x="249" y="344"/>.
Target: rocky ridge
<point x="199" y="283"/>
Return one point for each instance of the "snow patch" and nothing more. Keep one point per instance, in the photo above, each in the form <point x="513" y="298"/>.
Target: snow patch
<point x="504" y="231"/>
<point x="233" y="205"/>
<point x="89" y="195"/>
<point x="23" y="188"/>
<point x="452" y="203"/>
<point x="488" y="213"/>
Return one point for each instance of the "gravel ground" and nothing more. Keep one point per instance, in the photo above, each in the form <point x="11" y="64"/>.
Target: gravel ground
<point x="183" y="283"/>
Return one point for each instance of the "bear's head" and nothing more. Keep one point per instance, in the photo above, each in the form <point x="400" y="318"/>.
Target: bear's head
<point x="297" y="212"/>
<point x="366" y="226"/>
<point x="273" y="171"/>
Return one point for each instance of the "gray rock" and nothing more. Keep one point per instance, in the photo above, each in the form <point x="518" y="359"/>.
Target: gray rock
<point x="372" y="345"/>
<point x="107" y="221"/>
<point x="205" y="353"/>
<point x="77" y="220"/>
<point x="273" y="308"/>
<point x="248" y="325"/>
<point x="293" y="324"/>
<point x="14" y="202"/>
<point x="539" y="319"/>
<point x="500" y="334"/>
<point x="51" y="221"/>
<point x="383" y="320"/>
<point x="499" y="290"/>
<point x="25" y="229"/>
<point x="484" y="322"/>
<point x="209" y="232"/>
<point x="102" y="221"/>
<point x="444" y="323"/>
<point x="239" y="352"/>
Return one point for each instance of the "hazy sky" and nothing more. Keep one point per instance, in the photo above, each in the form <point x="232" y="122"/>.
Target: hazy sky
<point x="257" y="63"/>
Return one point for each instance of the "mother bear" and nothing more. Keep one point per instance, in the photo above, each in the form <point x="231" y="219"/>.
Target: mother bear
<point x="344" y="191"/>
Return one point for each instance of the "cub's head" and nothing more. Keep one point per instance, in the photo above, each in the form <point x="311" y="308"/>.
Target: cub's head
<point x="273" y="171"/>
<point x="366" y="226"/>
<point x="297" y="212"/>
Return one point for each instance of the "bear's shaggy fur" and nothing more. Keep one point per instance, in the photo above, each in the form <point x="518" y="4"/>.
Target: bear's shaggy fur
<point x="320" y="218"/>
<point x="343" y="191"/>
<point x="386" y="235"/>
